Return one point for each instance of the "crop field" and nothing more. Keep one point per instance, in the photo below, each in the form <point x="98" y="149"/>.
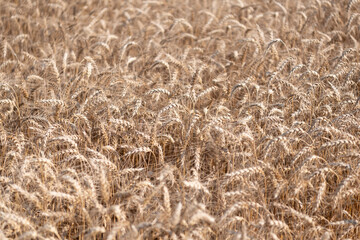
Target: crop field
<point x="170" y="119"/>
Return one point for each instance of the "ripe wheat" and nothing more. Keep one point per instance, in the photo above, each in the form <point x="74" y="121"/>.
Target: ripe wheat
<point x="179" y="119"/>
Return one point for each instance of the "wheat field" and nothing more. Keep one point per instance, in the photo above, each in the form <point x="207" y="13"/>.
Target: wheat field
<point x="169" y="119"/>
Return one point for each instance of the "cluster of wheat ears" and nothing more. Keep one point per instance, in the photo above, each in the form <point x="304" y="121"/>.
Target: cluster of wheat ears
<point x="179" y="119"/>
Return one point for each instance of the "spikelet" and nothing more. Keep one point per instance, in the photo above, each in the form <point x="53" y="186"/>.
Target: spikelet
<point x="197" y="160"/>
<point x="88" y="70"/>
<point x="167" y="108"/>
<point x="205" y="92"/>
<point x="235" y="194"/>
<point x="296" y="213"/>
<point x="339" y="143"/>
<point x="176" y="217"/>
<point x="57" y="215"/>
<point x="344" y="183"/>
<point x="275" y="41"/>
<point x="104" y="186"/>
<point x="278" y="224"/>
<point x="176" y="62"/>
<point x="138" y="150"/>
<point x="158" y="90"/>
<point x="30" y="57"/>
<point x="84" y="119"/>
<point x="321" y="193"/>
<point x="238" y="206"/>
<point x="102" y="45"/>
<point x="137" y="106"/>
<point x="53" y="103"/>
<point x="69" y="140"/>
<point x="100" y="160"/>
<point x="161" y="152"/>
<point x="197" y="186"/>
<point x="62" y="196"/>
<point x="245" y="171"/>
<point x="201" y="216"/>
<point x="121" y="123"/>
<point x="167" y="205"/>
<point x="77" y="189"/>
